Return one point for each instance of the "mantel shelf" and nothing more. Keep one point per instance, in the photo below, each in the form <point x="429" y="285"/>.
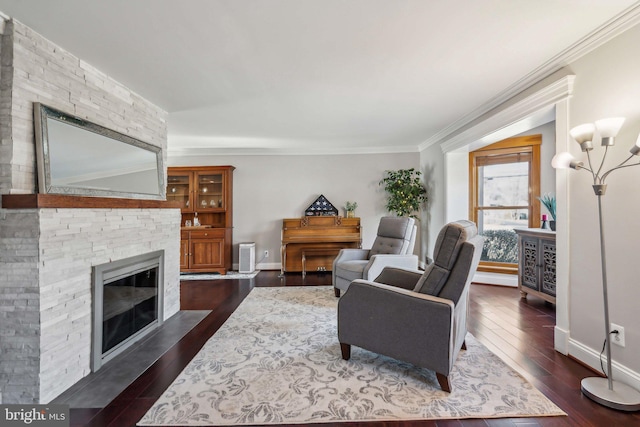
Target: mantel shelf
<point x="38" y="201"/>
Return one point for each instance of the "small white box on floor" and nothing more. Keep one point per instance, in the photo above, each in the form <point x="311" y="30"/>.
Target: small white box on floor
<point x="247" y="258"/>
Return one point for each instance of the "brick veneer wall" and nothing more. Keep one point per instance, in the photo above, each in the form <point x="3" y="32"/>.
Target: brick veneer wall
<point x="46" y="255"/>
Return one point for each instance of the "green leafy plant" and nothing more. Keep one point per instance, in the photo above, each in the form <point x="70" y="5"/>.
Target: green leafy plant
<point x="351" y="206"/>
<point x="405" y="192"/>
<point x="549" y="202"/>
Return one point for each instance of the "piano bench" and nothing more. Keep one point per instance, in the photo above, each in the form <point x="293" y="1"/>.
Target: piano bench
<point x="316" y="252"/>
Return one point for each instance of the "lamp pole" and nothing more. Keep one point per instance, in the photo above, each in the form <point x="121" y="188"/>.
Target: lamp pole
<point x="600" y="190"/>
<point x="605" y="391"/>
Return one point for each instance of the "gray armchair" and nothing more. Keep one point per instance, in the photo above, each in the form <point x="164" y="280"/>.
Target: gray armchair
<point x="393" y="246"/>
<point x="413" y="316"/>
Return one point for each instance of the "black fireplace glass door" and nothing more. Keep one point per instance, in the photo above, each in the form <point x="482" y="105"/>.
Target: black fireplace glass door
<point x="129" y="304"/>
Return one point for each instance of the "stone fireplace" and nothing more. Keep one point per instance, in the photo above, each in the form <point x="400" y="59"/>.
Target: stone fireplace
<point x="49" y="246"/>
<point x="49" y="285"/>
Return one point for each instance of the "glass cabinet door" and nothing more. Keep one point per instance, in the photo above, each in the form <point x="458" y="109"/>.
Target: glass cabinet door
<point x="210" y="191"/>
<point x="178" y="189"/>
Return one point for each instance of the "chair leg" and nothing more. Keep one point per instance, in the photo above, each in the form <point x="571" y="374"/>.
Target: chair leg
<point x="346" y="351"/>
<point x="443" y="380"/>
<point x="336" y="292"/>
<point x="464" y="345"/>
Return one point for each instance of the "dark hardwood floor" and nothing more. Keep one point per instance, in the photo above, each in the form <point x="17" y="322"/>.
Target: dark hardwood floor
<point x="520" y="332"/>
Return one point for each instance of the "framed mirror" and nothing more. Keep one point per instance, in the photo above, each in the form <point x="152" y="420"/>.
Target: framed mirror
<point x="77" y="157"/>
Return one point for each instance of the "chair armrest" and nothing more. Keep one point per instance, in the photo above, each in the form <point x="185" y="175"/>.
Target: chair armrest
<point x="351" y="254"/>
<point x="378" y="262"/>
<point x="399" y="277"/>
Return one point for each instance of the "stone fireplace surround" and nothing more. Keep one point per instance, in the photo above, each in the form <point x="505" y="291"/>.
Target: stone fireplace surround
<point x="48" y="247"/>
<point x="55" y="249"/>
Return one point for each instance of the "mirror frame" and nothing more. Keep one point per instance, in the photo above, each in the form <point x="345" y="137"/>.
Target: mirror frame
<point x="42" y="113"/>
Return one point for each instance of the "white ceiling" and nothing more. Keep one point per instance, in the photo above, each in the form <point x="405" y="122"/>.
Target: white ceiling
<point x="315" y="75"/>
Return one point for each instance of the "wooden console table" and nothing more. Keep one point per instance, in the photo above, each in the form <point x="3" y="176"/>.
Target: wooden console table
<point x="315" y="241"/>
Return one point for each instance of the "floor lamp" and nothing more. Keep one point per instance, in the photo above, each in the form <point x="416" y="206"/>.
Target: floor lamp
<point x="605" y="391"/>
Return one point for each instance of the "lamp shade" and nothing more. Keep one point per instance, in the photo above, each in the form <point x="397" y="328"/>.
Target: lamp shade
<point x="609" y="128"/>
<point x="583" y="133"/>
<point x="564" y="160"/>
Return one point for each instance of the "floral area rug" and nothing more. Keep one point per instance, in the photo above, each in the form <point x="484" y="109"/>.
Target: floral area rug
<point x="277" y="361"/>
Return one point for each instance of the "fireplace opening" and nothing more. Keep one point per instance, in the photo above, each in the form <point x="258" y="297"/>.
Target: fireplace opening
<point x="127" y="304"/>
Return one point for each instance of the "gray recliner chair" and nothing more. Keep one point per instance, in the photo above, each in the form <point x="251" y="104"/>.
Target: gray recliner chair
<point x="393" y="247"/>
<point x="414" y="316"/>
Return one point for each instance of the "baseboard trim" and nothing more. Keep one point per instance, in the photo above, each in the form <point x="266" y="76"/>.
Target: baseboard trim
<point x="268" y="266"/>
<point x="591" y="358"/>
<point x="486" y="278"/>
<point x="260" y="266"/>
<point x="561" y="340"/>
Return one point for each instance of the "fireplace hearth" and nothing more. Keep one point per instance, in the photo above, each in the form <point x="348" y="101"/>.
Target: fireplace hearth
<point x="127" y="304"/>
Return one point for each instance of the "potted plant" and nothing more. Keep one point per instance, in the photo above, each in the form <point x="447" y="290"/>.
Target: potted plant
<point x="548" y="200"/>
<point x="405" y="192"/>
<point x="350" y="207"/>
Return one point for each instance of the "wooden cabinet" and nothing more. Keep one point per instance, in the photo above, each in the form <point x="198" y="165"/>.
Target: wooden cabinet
<point x="185" y="249"/>
<point x="202" y="189"/>
<point x="537" y="263"/>
<point x="205" y="193"/>
<point x="205" y="249"/>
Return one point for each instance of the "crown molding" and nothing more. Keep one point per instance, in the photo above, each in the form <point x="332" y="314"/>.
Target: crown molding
<point x="189" y="145"/>
<point x="183" y="151"/>
<point x="543" y="98"/>
<point x="617" y="25"/>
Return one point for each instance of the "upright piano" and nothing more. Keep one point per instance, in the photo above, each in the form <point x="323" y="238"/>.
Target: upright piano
<point x="314" y="241"/>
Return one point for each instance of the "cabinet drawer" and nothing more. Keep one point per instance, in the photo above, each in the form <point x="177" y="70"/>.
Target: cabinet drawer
<point x="184" y="235"/>
<point x="211" y="233"/>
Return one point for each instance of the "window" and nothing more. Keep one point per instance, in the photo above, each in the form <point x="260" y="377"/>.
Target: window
<point x="504" y="186"/>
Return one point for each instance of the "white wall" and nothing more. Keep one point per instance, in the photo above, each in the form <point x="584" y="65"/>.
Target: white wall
<point x="606" y="85"/>
<point x="457" y="185"/>
<point x="270" y="188"/>
<point x="547" y="151"/>
<point x="433" y="169"/>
